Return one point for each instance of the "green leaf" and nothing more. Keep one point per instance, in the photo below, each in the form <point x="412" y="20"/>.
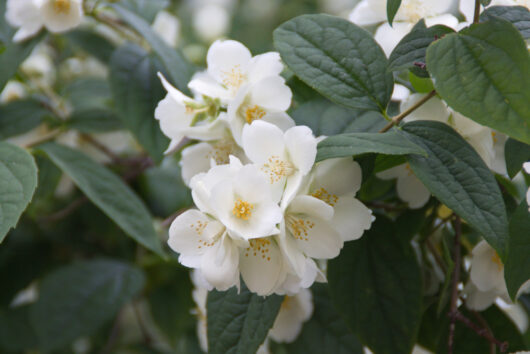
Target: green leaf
<point x="239" y="323"/>
<point x="412" y="48"/>
<point x="326" y="331"/>
<point x="19" y="117"/>
<point x="485" y="2"/>
<point x="92" y="43"/>
<point x="18" y="181"/>
<point x="76" y="300"/>
<point x="375" y="285"/>
<point x="146" y="8"/>
<point x="392" y="7"/>
<point x="519" y="16"/>
<point x="515" y="153"/>
<point x="108" y="192"/>
<point x="390" y="143"/>
<point x="421" y="84"/>
<point x="94" y="121"/>
<point x="16" y="332"/>
<point x="338" y="59"/>
<point x="517" y="268"/>
<point x="88" y="93"/>
<point x="483" y="72"/>
<point x="137" y="91"/>
<point x="460" y="179"/>
<point x="180" y="71"/>
<point x="326" y="118"/>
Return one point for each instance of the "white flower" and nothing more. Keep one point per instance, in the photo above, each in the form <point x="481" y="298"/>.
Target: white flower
<point x="167" y="27"/>
<point x="181" y="116"/>
<point x="61" y="15"/>
<point x="211" y="22"/>
<point x="294" y="311"/>
<point x="31" y="15"/>
<point x="526" y="167"/>
<point x="13" y="91"/>
<point x="409" y="188"/>
<point x="39" y="66"/>
<point x="266" y="100"/>
<point x="230" y="67"/>
<point x="370" y="12"/>
<point x="199" y="157"/>
<point x="336" y="181"/>
<point x="284" y="157"/>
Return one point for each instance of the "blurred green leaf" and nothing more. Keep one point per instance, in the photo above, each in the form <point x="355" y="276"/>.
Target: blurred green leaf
<point x="460" y="179"/>
<point x="108" y="192"/>
<point x="515" y="153"/>
<point x="137" y="91"/>
<point x="519" y="16"/>
<point x="483" y="72"/>
<point x="147" y="9"/>
<point x="92" y="43"/>
<point x="18" y="181"/>
<point x="517" y="265"/>
<point x="375" y="285"/>
<point x="16" y="332"/>
<point x="77" y="299"/>
<point x="239" y="323"/>
<point x="19" y="117"/>
<point x="352" y="74"/>
<point x="94" y="121"/>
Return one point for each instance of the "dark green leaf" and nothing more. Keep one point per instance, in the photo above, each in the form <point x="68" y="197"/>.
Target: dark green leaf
<point x="92" y="43"/>
<point x="326" y="331"/>
<point x="239" y="323"/>
<point x="108" y="192"/>
<point x="19" y="117"/>
<point x="16" y="332"/>
<point x="517" y="269"/>
<point x="392" y="7"/>
<point x="485" y="2"/>
<point x="460" y="179"/>
<point x="137" y="91"/>
<point x="180" y="71"/>
<point x="146" y="8"/>
<point x="77" y="299"/>
<point x="390" y="143"/>
<point x="338" y="59"/>
<point x="375" y="284"/>
<point x="94" y="121"/>
<point x="18" y="181"/>
<point x="412" y="48"/>
<point x="515" y="153"/>
<point x="483" y="72"/>
<point x="519" y="16"/>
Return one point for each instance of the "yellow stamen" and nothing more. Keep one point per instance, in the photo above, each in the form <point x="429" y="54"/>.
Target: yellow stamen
<point x="259" y="247"/>
<point x="221" y="152"/>
<point x="234" y="78"/>
<point x="325" y="196"/>
<point x="199" y="227"/>
<point x="277" y="168"/>
<point x="61" y="6"/>
<point x="496" y="259"/>
<point x="299" y="228"/>
<point x="253" y="113"/>
<point x="242" y="209"/>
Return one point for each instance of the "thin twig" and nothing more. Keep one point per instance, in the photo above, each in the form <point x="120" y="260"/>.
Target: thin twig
<point x="50" y="136"/>
<point x="481" y="331"/>
<point x="105" y="150"/>
<point x="476" y="15"/>
<point x="454" y="289"/>
<point x="143" y="328"/>
<point x="399" y="117"/>
<point x="436" y="255"/>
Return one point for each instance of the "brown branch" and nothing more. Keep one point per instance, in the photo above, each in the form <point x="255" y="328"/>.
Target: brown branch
<point x="484" y="331"/>
<point x="105" y="150"/>
<point x="436" y="255"/>
<point x="395" y="120"/>
<point x="476" y="15"/>
<point x="454" y="289"/>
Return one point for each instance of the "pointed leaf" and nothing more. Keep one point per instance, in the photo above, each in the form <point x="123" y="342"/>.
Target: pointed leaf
<point x="517" y="268"/>
<point x="519" y="16"/>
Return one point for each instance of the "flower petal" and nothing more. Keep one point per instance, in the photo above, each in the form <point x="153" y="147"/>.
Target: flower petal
<point x="295" y="310"/>
<point x="225" y="56"/>
<point x="351" y="218"/>
<point x="389" y="36"/>
<point x="220" y="265"/>
<point x="411" y="190"/>
<point x="338" y="176"/>
<point x="61" y="21"/>
<point x="261" y="140"/>
<point x="301" y="145"/>
<point x="368" y="12"/>
<point x="434" y="109"/>
<point x="271" y="93"/>
<point x="264" y="65"/>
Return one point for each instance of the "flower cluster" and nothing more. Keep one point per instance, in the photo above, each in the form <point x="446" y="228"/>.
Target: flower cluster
<point x="265" y="210"/>
<point x="31" y="15"/>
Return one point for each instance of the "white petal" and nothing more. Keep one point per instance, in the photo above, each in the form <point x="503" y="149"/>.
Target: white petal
<point x="434" y="109"/>
<point x="301" y="145"/>
<point x="279" y="119"/>
<point x="467" y="8"/>
<point x="195" y="159"/>
<point x="400" y="92"/>
<point x="394" y="172"/>
<point x="388" y="37"/>
<point x="264" y="65"/>
<point x="203" y="83"/>
<point x="295" y="310"/>
<point x="225" y="56"/>
<point x="411" y="190"/>
<point x="261" y="140"/>
<point x="487" y="271"/>
<point x="261" y="266"/>
<point x="271" y="93"/>
<point x="220" y="265"/>
<point x="526" y="167"/>
<point x="167" y="27"/>
<point x="315" y="237"/>
<point x="351" y="218"/>
<point x="173" y="118"/>
<point x="191" y="234"/>
<point x="478" y="300"/>
<point x="368" y="12"/>
<point x="27" y="31"/>
<point x="444" y="19"/>
<point x="62" y="21"/>
<point x="308" y="205"/>
<point x="338" y="176"/>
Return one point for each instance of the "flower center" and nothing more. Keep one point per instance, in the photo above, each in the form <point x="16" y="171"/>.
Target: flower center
<point x="199" y="227"/>
<point x="414" y="10"/>
<point x="277" y="168"/>
<point x="325" y="196"/>
<point x="61" y="6"/>
<point x="409" y="170"/>
<point x="496" y="259"/>
<point x="259" y="247"/>
<point x="299" y="228"/>
<point x="234" y="78"/>
<point x="493" y="136"/>
<point x="242" y="209"/>
<point x="253" y="113"/>
<point x="221" y="152"/>
<point x="287" y="302"/>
